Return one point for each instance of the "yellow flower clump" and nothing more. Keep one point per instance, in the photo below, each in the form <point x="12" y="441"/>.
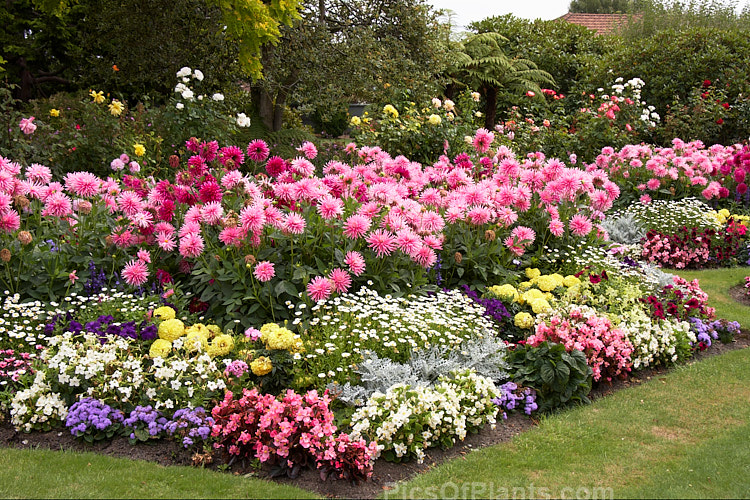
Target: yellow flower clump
<point x="547" y="283"/>
<point x="261" y="366"/>
<point x="531" y="295"/>
<point x="540" y="306"/>
<point x="570" y="281"/>
<point x="160" y="348"/>
<point x="523" y="320"/>
<point x="164" y="313"/>
<point x="278" y="338"/>
<point x="533" y="272"/>
<point x="196" y="340"/>
<point x="171" y="329"/>
<point x="505" y="292"/>
<point x="390" y="110"/>
<point x="221" y="345"/>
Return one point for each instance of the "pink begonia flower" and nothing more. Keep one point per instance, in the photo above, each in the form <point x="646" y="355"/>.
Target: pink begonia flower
<point x="27" y="125"/>
<point x="72" y="277"/>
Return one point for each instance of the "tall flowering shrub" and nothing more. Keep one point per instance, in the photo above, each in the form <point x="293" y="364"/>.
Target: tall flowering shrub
<point x="608" y="349"/>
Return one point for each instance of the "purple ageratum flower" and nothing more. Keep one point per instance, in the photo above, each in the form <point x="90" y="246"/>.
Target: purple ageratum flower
<point x="511" y="397"/>
<point x="145" y="417"/>
<point x="90" y="415"/>
<point x="192" y="424"/>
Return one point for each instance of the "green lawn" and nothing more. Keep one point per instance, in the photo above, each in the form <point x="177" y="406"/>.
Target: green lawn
<point x="717" y="282"/>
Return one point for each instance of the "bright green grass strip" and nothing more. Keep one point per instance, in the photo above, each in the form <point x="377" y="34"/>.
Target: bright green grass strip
<point x="622" y="442"/>
<point x="717" y="282"/>
<point x="60" y="474"/>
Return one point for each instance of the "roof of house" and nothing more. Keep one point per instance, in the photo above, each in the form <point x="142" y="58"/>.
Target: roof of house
<point x="603" y="24"/>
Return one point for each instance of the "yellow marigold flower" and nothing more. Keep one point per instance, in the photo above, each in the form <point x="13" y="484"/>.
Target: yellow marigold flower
<point x="434" y="120"/>
<point x="266" y="329"/>
<point x="546" y="283"/>
<point x="196" y="341"/>
<point x="97" y="96"/>
<point x="574" y="289"/>
<point x="571" y="280"/>
<point x="533" y="272"/>
<point x="531" y="295"/>
<point x="356" y="121"/>
<point x="171" y="329"/>
<point x="116" y="107"/>
<point x="160" y="348"/>
<point x="540" y="306"/>
<point x="523" y="320"/>
<point x="200" y="328"/>
<point x="558" y="278"/>
<point x="54" y="112"/>
<point x="283" y="339"/>
<point x="505" y="292"/>
<point x="139" y="149"/>
<point x="724" y="213"/>
<point x="390" y="110"/>
<point x="525" y="285"/>
<point x="214" y="330"/>
<point x="261" y="366"/>
<point x="221" y="345"/>
<point x="164" y="313"/>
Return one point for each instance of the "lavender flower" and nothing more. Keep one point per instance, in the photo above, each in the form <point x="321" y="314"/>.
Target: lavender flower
<point x="91" y="417"/>
<point x="191" y="424"/>
<point x="511" y="397"/>
<point x="145" y="423"/>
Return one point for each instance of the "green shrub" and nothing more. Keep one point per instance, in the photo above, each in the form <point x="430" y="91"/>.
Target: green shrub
<point x="559" y="378"/>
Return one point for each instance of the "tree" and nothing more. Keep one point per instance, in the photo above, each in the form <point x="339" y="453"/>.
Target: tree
<point x="603" y="6"/>
<point x="134" y="46"/>
<point x="483" y="65"/>
<point x="343" y="51"/>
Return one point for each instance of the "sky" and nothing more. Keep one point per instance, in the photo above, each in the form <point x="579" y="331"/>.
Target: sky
<point x="474" y="10"/>
<point x="467" y="11"/>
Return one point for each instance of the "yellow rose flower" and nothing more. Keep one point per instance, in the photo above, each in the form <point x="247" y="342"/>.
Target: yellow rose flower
<point x="523" y="320"/>
<point x="171" y="329"/>
<point x="221" y="345"/>
<point x="356" y="121"/>
<point x="160" y="348"/>
<point x="164" y="313"/>
<point x="390" y="110"/>
<point x="434" y="120"/>
<point x="533" y="272"/>
<point x="261" y="366"/>
<point x="139" y="149"/>
<point x="54" y="112"/>
<point x="116" y="107"/>
<point x="98" y="97"/>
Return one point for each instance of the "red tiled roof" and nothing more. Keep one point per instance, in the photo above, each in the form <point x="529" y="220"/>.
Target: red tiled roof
<point x="603" y="24"/>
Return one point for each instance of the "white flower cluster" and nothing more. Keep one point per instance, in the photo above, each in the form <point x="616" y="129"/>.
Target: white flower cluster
<point x="649" y="116"/>
<point x="111" y="372"/>
<point x="654" y="341"/>
<point x="37" y="407"/>
<point x="407" y="420"/>
<point x="21" y="323"/>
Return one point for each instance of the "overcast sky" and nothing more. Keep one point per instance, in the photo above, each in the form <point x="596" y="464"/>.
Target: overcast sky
<point x="467" y="11"/>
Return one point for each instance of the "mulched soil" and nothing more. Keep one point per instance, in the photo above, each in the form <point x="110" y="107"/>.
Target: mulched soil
<point x="385" y="474"/>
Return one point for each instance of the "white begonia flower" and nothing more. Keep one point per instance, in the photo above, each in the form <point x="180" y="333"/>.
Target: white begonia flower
<point x="198" y="75"/>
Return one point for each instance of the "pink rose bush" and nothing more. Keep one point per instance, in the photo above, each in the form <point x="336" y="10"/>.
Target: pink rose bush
<point x="608" y="349"/>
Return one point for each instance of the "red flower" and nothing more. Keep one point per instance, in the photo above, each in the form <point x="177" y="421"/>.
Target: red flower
<point x="720" y="121"/>
<point x="706" y="83"/>
<point x="726" y="105"/>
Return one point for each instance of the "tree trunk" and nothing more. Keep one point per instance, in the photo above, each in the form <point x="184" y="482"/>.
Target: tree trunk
<point x="490" y="109"/>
